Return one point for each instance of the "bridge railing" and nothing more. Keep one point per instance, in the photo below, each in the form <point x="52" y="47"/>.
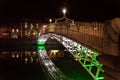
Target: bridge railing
<point x="86" y="57"/>
<point x="101" y="37"/>
<point x="93" y="39"/>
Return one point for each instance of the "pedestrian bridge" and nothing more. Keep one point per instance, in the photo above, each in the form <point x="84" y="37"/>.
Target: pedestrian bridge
<point x="103" y="38"/>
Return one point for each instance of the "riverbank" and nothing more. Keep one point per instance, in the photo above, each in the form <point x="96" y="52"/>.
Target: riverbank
<point x="20" y="41"/>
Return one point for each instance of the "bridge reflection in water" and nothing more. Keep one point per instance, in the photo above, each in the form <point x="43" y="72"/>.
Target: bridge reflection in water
<point x="84" y="55"/>
<point x="24" y="64"/>
<point x="53" y="72"/>
<point x="61" y="65"/>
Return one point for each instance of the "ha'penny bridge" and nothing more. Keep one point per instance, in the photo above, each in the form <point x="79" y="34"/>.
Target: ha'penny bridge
<point x="95" y="45"/>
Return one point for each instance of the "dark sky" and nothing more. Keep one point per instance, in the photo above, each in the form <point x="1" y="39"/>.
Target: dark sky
<point x="42" y="9"/>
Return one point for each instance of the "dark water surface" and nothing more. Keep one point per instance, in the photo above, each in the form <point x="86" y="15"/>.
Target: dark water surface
<point x="22" y="63"/>
<point x="18" y="64"/>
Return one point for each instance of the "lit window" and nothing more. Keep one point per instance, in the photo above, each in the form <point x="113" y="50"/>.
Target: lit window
<point x="25" y="24"/>
<point x="37" y="25"/>
<point x="26" y="59"/>
<point x="17" y="30"/>
<point x="31" y="26"/>
<point x="17" y="55"/>
<point x="13" y="55"/>
<point x="34" y="53"/>
<point x="25" y="32"/>
<point x="13" y="30"/>
<point x="31" y="60"/>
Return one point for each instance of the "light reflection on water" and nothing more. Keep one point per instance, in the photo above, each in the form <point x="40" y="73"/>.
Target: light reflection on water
<point x="20" y="63"/>
<point x="55" y="61"/>
<point x="28" y="56"/>
<point x="53" y="72"/>
<point x="31" y="57"/>
<point x="19" y="56"/>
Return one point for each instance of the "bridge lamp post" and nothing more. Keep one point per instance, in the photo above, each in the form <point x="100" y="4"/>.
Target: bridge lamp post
<point x="64" y="11"/>
<point x="50" y="20"/>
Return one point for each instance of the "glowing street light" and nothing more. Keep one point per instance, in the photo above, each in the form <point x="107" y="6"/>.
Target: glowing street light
<point x="44" y="26"/>
<point x="50" y="20"/>
<point x="64" y="11"/>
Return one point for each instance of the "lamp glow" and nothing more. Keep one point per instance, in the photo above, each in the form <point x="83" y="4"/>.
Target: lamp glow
<point x="64" y="11"/>
<point x="50" y="20"/>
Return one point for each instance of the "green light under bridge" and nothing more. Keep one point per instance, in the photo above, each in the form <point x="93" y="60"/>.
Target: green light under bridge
<point x="41" y="47"/>
<point x="41" y="43"/>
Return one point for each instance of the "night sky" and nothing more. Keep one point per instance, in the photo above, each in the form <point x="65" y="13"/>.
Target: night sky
<point x="79" y="10"/>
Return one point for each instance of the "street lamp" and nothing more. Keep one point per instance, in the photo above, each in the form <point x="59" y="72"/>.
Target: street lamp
<point x="50" y="20"/>
<point x="64" y="11"/>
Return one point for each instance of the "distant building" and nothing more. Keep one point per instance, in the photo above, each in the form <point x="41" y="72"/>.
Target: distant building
<point x="20" y="30"/>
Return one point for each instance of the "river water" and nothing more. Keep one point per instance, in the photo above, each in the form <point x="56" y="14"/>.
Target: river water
<point x="45" y="62"/>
